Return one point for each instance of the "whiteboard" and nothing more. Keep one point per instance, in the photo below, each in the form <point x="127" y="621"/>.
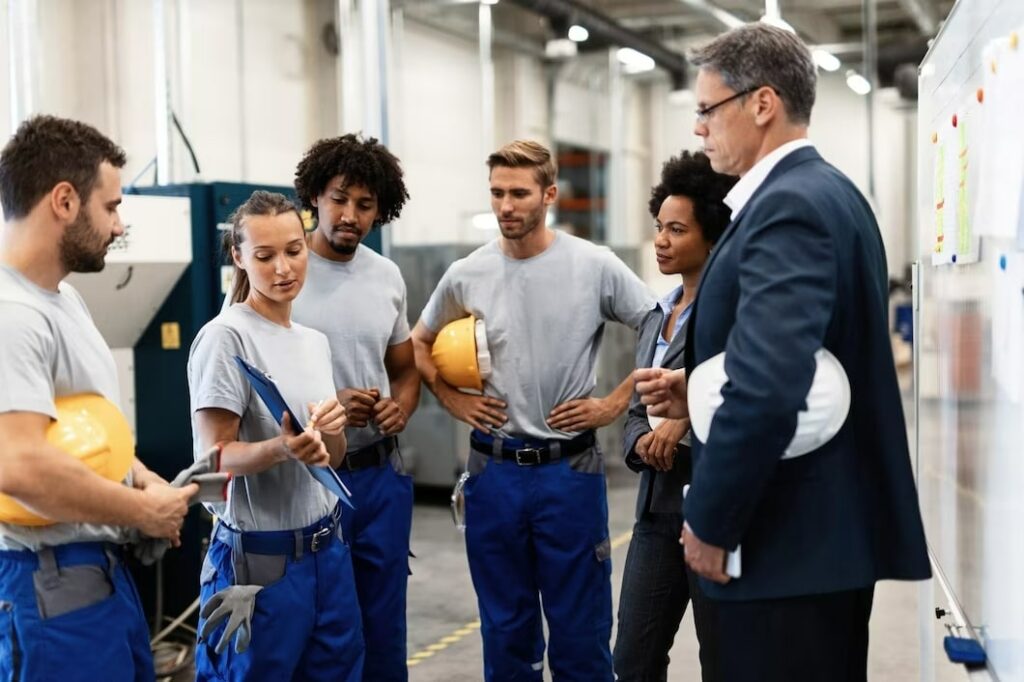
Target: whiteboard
<point x="969" y="320"/>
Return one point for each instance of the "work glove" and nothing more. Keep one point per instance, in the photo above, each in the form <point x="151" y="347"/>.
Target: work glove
<point x="235" y="603"/>
<point x="212" y="488"/>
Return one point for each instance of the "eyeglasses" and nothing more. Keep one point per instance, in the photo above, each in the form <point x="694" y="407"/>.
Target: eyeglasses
<point x="704" y="114"/>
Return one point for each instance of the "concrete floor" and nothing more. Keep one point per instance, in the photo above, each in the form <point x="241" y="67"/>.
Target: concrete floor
<point x="444" y="637"/>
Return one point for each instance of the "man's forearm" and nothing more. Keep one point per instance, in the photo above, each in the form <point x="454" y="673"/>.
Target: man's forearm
<point x="405" y="389"/>
<point x="618" y="399"/>
<point x="57" y="486"/>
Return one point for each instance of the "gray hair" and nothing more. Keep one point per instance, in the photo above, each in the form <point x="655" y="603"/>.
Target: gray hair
<point x="758" y="54"/>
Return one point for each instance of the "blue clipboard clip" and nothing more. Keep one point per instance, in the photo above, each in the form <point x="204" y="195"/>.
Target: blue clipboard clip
<point x="271" y="396"/>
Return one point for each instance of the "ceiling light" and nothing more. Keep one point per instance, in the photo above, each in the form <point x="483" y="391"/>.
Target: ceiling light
<point x="633" y="61"/>
<point x="858" y="83"/>
<point x="578" y="34"/>
<point x="488" y="2"/>
<point x="826" y="60"/>
<point x="778" y="22"/>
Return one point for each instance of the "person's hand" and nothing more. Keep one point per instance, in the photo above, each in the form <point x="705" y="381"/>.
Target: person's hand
<point x="307" y="446"/>
<point x="327" y="416"/>
<point x="479" y="411"/>
<point x="657" y="448"/>
<point x="389" y="416"/>
<point x="663" y="391"/>
<point x="703" y="559"/>
<point x="358" y="404"/>
<point x="164" y="509"/>
<point x="582" y="414"/>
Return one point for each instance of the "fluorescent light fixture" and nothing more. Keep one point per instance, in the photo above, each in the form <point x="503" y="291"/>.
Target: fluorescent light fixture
<point x="633" y="61"/>
<point x="826" y="60"/>
<point x="560" y="48"/>
<point x="778" y="22"/>
<point x="485" y="222"/>
<point x="858" y="83"/>
<point x="578" y="34"/>
<point x="488" y="2"/>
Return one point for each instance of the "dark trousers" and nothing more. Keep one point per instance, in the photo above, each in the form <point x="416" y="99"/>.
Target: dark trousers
<point x="816" y="638"/>
<point x="656" y="588"/>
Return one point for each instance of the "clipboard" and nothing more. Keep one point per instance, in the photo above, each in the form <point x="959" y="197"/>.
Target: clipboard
<point x="268" y="392"/>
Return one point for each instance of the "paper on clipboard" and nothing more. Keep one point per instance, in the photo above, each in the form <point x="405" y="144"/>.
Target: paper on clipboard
<point x="268" y="392"/>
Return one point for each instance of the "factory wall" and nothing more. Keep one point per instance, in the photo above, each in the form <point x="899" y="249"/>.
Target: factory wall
<point x="253" y="85"/>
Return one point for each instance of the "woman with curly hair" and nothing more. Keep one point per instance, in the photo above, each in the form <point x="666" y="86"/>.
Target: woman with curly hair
<point x="689" y="217"/>
<point x="357" y="298"/>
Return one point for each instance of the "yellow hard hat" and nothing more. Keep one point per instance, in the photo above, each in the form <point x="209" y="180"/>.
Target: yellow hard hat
<point x="461" y="355"/>
<point x="92" y="429"/>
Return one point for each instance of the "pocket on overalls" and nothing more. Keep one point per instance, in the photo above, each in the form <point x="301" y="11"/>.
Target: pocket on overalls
<point x="70" y="589"/>
<point x="10" y="651"/>
<point x="590" y="461"/>
<point x="264" y="569"/>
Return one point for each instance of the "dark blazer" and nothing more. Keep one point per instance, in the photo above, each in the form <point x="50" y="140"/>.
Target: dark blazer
<point x="800" y="267"/>
<point x="660" y="491"/>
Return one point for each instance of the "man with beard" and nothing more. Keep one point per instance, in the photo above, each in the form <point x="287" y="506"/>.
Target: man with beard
<point x="536" y="507"/>
<point x="64" y="593"/>
<point x="357" y="298"/>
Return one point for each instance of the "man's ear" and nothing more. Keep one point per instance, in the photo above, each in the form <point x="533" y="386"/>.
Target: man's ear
<point x="550" y="195"/>
<point x="768" y="106"/>
<point x="65" y="202"/>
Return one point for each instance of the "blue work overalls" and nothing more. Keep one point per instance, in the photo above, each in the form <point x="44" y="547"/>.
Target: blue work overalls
<point x="377" y="534"/>
<point x="537" y="534"/>
<point x="71" y="613"/>
<point x="306" y="624"/>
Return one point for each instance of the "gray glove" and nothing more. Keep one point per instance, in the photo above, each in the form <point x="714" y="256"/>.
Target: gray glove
<point x="211" y="489"/>
<point x="236" y="603"/>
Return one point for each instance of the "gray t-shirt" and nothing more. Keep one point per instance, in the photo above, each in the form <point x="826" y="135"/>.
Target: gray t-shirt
<point x="298" y="359"/>
<point x="360" y="305"/>
<point x="544" y="318"/>
<point x="49" y="348"/>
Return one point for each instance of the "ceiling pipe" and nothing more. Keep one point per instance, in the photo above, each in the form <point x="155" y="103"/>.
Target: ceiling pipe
<point x="924" y="15"/>
<point x="604" y="27"/>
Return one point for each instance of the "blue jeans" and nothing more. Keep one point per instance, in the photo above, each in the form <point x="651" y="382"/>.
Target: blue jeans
<point x="539" y="534"/>
<point x="377" y="533"/>
<point x="656" y="588"/>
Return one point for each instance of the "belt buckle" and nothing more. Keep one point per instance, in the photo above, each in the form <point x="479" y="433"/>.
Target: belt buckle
<point x="527" y="457"/>
<point x="321" y="535"/>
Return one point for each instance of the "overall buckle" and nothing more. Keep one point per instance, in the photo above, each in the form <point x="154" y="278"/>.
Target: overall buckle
<point x="527" y="457"/>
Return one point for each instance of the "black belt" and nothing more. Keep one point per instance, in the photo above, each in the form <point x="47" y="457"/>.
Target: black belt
<point x="373" y="455"/>
<point x="530" y="452"/>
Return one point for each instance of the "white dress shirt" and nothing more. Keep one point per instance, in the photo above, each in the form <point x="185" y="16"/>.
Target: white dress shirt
<point x="741" y="192"/>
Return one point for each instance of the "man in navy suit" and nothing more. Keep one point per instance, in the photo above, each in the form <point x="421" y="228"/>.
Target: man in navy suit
<point x="800" y="267"/>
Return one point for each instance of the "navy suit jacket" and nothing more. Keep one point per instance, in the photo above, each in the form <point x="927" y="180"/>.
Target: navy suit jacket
<point x="802" y="266"/>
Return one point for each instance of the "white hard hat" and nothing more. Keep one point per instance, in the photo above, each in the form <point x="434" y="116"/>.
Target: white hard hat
<point x="828" y="402"/>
